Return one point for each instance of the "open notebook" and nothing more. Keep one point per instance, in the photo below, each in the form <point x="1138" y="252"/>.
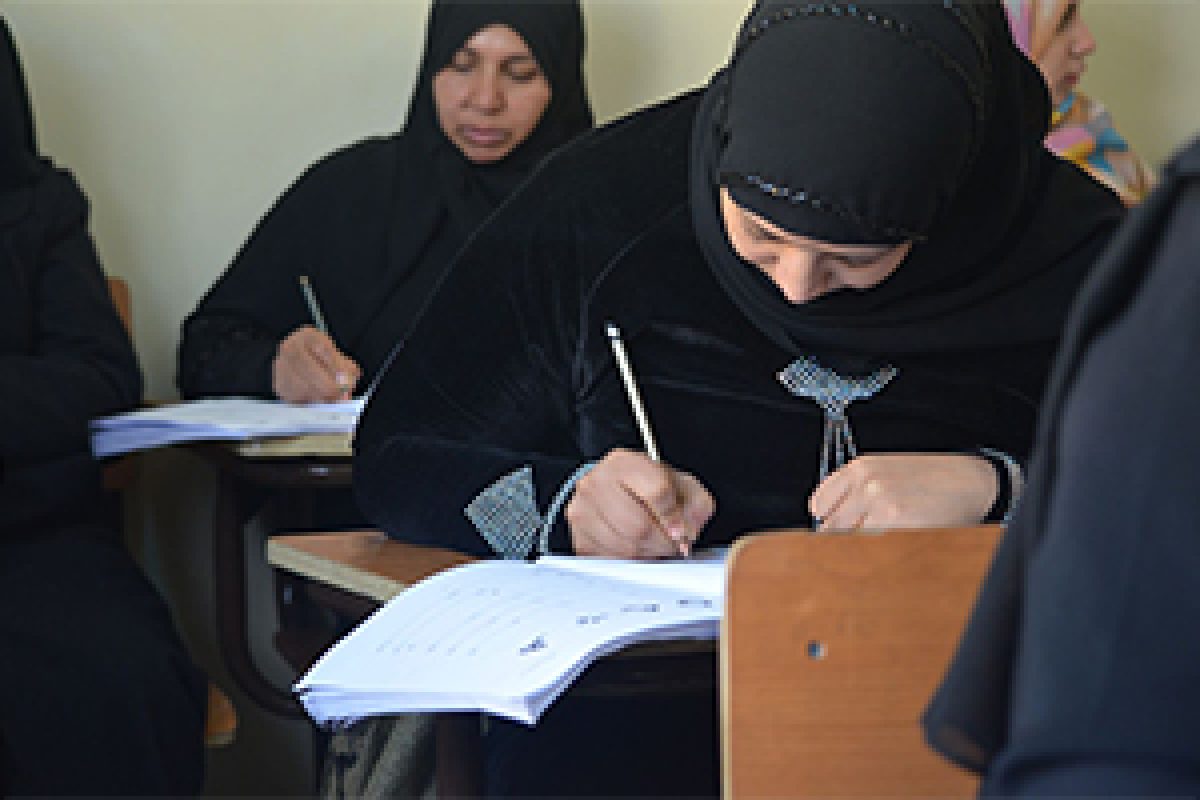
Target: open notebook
<point x="228" y="418"/>
<point x="508" y="637"/>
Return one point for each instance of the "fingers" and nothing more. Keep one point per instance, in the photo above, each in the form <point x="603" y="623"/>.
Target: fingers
<point x="335" y="365"/>
<point x="844" y="500"/>
<point x="884" y="491"/>
<point x="308" y="368"/>
<point x="698" y="505"/>
<point x="652" y="484"/>
<point x="631" y="507"/>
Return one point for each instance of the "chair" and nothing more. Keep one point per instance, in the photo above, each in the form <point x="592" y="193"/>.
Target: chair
<point x="830" y="648"/>
<point x="221" y="722"/>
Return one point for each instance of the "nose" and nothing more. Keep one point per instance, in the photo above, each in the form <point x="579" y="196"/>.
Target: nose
<point x="486" y="93"/>
<point x="1085" y="43"/>
<point x="799" y="275"/>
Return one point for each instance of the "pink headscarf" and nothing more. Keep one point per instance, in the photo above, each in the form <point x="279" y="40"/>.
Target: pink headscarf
<point x="1081" y="129"/>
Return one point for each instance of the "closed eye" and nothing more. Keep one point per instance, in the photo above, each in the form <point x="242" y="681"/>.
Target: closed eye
<point x="1068" y="17"/>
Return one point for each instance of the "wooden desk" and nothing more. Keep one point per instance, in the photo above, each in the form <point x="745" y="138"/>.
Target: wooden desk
<point x="313" y="445"/>
<point x="363" y="563"/>
<point x="246" y="473"/>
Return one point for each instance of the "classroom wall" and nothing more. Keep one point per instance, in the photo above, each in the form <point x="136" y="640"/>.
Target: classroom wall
<point x="184" y="120"/>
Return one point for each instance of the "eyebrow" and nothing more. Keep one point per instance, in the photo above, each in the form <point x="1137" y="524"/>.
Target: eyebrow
<point x="757" y="230"/>
<point x="508" y="59"/>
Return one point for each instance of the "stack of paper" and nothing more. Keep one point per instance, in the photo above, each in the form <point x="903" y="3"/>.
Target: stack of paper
<point x="508" y="637"/>
<point x="231" y="418"/>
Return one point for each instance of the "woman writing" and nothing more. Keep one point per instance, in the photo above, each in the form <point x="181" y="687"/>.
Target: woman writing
<point x="840" y="293"/>
<point x="373" y="226"/>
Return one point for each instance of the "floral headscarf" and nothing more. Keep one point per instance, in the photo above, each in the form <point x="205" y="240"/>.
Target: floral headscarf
<point x="1081" y="129"/>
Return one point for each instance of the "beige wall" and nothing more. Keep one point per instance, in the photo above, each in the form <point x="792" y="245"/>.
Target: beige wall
<point x="184" y="120"/>
<point x="1147" y="70"/>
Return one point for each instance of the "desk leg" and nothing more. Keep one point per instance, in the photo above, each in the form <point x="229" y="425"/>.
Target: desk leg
<point x="459" y="767"/>
<point x="229" y="573"/>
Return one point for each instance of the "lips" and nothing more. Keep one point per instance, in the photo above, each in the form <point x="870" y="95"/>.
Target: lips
<point x="483" y="137"/>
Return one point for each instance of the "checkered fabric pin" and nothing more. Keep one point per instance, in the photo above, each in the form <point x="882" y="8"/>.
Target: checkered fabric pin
<point x="834" y="393"/>
<point x="506" y="514"/>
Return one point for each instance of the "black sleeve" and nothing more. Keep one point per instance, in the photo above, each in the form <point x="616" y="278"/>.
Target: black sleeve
<point x="325" y="226"/>
<point x="81" y="363"/>
<point x="484" y="386"/>
<point x="228" y="343"/>
<point x="222" y="354"/>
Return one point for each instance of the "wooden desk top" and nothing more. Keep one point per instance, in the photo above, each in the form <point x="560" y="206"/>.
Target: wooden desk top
<point x="312" y="445"/>
<point x="362" y="562"/>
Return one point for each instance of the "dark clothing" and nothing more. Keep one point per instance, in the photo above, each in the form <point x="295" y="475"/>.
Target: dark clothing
<point x="336" y="225"/>
<point x="511" y="366"/>
<point x="65" y="358"/>
<point x="1077" y="672"/>
<point x="671" y="751"/>
<point x="97" y="695"/>
<point x="375" y="225"/>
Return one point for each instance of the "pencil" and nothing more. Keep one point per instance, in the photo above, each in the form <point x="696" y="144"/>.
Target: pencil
<point x="631" y="389"/>
<point x="639" y="411"/>
<point x="310" y="297"/>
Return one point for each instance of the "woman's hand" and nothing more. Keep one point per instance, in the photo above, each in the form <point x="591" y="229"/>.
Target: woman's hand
<point x="309" y="368"/>
<point x="905" y="490"/>
<point x="629" y="506"/>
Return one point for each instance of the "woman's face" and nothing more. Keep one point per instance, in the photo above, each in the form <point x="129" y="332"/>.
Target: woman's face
<point x="1062" y="63"/>
<point x="491" y="95"/>
<point x="805" y="269"/>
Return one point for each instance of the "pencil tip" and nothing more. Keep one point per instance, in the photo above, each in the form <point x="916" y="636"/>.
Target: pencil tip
<point x="612" y="330"/>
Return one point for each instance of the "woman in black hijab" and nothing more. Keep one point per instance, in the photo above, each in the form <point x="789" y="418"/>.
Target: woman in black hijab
<point x="97" y="695"/>
<point x="851" y="243"/>
<point x="877" y="257"/>
<point x="374" y="225"/>
<point x="1076" y="676"/>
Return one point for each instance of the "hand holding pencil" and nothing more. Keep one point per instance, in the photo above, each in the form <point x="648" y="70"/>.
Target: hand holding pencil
<point x="308" y="366"/>
<point x="631" y="505"/>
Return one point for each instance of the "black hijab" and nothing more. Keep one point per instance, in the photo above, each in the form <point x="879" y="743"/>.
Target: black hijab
<point x="554" y="33"/>
<point x="438" y="181"/>
<point x="895" y="121"/>
<point x="19" y="163"/>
